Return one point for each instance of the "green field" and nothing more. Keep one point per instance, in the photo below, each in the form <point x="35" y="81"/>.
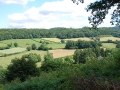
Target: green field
<point x="56" y="45"/>
<point x="52" y="39"/>
<point x="109" y="45"/>
<point x="21" y="42"/>
<point x="12" y="50"/>
<point x="2" y="44"/>
<point x="109" y="38"/>
<point x="4" y="61"/>
<point x="75" y="39"/>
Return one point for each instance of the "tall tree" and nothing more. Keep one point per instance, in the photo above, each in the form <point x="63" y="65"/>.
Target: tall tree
<point x="22" y="69"/>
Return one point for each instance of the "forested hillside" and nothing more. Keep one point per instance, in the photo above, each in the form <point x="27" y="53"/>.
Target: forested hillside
<point x="61" y="33"/>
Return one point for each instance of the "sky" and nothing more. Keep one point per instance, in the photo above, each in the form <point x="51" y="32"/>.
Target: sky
<point x="45" y="14"/>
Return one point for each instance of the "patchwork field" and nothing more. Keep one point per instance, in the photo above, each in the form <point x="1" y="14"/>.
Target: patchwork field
<point x="109" y="38"/>
<point x="4" y="61"/>
<point x="56" y="45"/>
<point x="53" y="39"/>
<point x="75" y="39"/>
<point x="61" y="53"/>
<point x="109" y="45"/>
<point x="12" y="50"/>
<point x="21" y="42"/>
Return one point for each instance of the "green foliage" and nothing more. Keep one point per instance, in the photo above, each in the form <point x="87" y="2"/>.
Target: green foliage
<point x="48" y="57"/>
<point x="81" y="56"/>
<point x="22" y="69"/>
<point x="32" y="56"/>
<point x="81" y="44"/>
<point x="62" y="41"/>
<point x="16" y="44"/>
<point x="99" y="10"/>
<point x="6" y="47"/>
<point x="43" y="47"/>
<point x="34" y="47"/>
<point x="118" y="45"/>
<point x="50" y="66"/>
<point x="2" y="72"/>
<point x="28" y="48"/>
<point x="61" y="33"/>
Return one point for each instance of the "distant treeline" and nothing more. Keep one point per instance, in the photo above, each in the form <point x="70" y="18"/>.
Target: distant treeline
<point x="61" y="33"/>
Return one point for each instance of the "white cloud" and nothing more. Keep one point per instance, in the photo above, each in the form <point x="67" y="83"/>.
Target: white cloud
<point x="61" y="13"/>
<point x="15" y="1"/>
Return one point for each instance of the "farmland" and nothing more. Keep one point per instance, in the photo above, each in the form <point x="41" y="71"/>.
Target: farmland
<point x="54" y="43"/>
<point x="12" y="50"/>
<point x="109" y="45"/>
<point x="109" y="38"/>
<point x="61" y="53"/>
<point x="4" y="61"/>
<point x="75" y="39"/>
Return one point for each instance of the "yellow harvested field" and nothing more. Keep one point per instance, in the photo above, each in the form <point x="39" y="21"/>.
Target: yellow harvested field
<point x="52" y="39"/>
<point x="61" y="53"/>
<point x="75" y="39"/>
<point x="109" y="38"/>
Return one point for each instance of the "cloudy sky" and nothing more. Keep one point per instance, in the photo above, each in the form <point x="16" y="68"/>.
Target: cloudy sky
<point x="44" y="14"/>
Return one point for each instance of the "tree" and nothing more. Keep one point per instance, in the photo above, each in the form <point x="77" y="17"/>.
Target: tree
<point x="62" y="41"/>
<point x="22" y="69"/>
<point x="48" y="57"/>
<point x="43" y="47"/>
<point x="32" y="56"/>
<point x="16" y="44"/>
<point x="34" y="47"/>
<point x="99" y="10"/>
<point x="28" y="48"/>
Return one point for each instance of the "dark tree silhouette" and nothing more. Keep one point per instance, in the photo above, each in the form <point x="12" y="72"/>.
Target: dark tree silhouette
<point x="99" y="10"/>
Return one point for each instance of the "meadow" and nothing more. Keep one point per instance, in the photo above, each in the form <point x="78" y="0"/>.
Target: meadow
<point x="108" y="45"/>
<point x="55" y="43"/>
<point x="12" y="50"/>
<point x="109" y="38"/>
<point x="4" y="61"/>
<point x="75" y="39"/>
<point x="21" y="42"/>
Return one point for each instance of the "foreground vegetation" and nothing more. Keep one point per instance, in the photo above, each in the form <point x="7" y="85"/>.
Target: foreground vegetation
<point x="65" y="73"/>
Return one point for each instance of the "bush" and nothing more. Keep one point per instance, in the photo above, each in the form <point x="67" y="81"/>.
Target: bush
<point x="50" y="66"/>
<point x="34" y="47"/>
<point x="22" y="69"/>
<point x="29" y="48"/>
<point x="48" y="57"/>
<point x="32" y="56"/>
<point x="16" y="44"/>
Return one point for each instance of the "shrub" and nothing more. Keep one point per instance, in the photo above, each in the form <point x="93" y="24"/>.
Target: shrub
<point x="34" y="47"/>
<point x="28" y="48"/>
<point x="50" y="66"/>
<point x="22" y="69"/>
<point x="16" y="44"/>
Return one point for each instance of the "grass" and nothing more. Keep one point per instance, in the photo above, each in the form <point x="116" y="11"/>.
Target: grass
<point x="21" y="42"/>
<point x="75" y="39"/>
<point x="4" y="61"/>
<point x="109" y="38"/>
<point x="2" y="44"/>
<point x="108" y="45"/>
<point x="56" y="46"/>
<point x="12" y="50"/>
<point x="52" y="39"/>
